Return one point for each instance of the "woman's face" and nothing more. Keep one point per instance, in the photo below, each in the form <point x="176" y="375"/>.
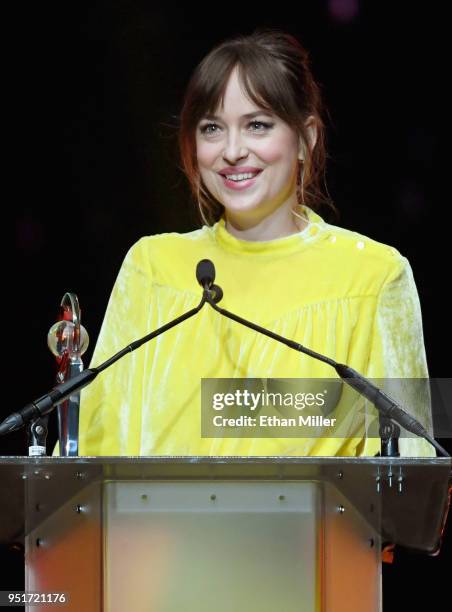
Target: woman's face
<point x="248" y="158"/>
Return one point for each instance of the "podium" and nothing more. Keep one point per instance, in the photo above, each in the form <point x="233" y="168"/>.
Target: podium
<point x="223" y="534"/>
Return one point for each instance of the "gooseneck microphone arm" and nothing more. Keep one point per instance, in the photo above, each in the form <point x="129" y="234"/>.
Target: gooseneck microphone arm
<point x="387" y="407"/>
<point x="59" y="393"/>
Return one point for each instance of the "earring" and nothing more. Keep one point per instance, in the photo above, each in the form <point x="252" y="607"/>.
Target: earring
<point x="201" y="206"/>
<point x="300" y="197"/>
<point x="300" y="183"/>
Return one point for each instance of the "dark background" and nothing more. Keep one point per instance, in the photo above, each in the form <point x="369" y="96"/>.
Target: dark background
<point x="93" y="94"/>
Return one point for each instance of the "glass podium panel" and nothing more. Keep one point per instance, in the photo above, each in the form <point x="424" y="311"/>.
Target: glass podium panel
<point x="212" y="546"/>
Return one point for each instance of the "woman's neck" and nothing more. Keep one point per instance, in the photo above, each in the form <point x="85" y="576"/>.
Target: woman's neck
<point x="282" y="222"/>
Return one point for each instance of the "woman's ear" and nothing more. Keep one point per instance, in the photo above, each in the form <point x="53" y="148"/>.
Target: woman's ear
<point x="311" y="130"/>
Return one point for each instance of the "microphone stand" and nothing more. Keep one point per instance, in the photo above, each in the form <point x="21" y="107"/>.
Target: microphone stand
<point x="45" y="404"/>
<point x="389" y="411"/>
<point x="389" y="436"/>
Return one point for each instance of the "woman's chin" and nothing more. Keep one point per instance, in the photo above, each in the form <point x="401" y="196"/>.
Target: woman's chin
<point x="242" y="208"/>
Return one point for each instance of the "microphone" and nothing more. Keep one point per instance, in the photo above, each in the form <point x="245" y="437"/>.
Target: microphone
<point x="205" y="274"/>
<point x="386" y="406"/>
<point x="46" y="403"/>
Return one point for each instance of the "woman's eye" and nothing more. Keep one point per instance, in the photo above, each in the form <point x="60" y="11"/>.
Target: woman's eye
<point x="255" y="126"/>
<point x="207" y="128"/>
<point x="261" y="124"/>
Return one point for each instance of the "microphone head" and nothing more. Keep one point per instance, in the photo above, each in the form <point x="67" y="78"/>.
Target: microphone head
<point x="205" y="273"/>
<point x="217" y="293"/>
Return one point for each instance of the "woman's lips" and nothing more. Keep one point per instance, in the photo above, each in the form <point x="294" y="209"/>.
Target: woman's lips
<point x="239" y="185"/>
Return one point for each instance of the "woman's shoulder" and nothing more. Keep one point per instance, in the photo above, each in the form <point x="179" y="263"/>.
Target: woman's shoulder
<point x="353" y="245"/>
<point x="360" y="248"/>
<point x="358" y="260"/>
<point x="167" y="241"/>
<point x="167" y="237"/>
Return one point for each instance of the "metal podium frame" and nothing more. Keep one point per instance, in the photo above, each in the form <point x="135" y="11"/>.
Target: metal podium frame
<point x="225" y="533"/>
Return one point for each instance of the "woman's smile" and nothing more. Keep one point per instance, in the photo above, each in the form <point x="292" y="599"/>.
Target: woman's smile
<point x="240" y="180"/>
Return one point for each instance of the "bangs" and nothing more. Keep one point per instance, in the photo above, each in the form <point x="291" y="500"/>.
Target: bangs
<point x="264" y="86"/>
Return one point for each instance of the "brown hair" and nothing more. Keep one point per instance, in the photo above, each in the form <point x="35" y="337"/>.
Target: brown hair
<point x="275" y="72"/>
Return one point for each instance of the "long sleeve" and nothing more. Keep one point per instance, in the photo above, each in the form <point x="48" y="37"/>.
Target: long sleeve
<point x="108" y="422"/>
<point x="128" y="306"/>
<point x="397" y="360"/>
<point x="106" y="406"/>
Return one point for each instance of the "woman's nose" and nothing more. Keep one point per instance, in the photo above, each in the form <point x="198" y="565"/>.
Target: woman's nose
<point x="235" y="149"/>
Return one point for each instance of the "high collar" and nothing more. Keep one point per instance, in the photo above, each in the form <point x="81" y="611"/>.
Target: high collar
<point x="314" y="231"/>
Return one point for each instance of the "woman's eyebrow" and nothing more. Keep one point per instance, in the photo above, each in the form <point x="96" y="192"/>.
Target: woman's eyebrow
<point x="247" y="116"/>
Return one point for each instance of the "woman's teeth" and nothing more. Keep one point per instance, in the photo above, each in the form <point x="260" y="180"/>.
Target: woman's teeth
<point x="240" y="177"/>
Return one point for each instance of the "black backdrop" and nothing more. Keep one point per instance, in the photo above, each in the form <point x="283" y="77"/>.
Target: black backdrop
<point x="93" y="93"/>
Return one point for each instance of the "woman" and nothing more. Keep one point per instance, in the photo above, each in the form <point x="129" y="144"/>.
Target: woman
<point x="252" y="147"/>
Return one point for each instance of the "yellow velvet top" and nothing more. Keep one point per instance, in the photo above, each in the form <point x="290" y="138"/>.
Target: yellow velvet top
<point x="333" y="290"/>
